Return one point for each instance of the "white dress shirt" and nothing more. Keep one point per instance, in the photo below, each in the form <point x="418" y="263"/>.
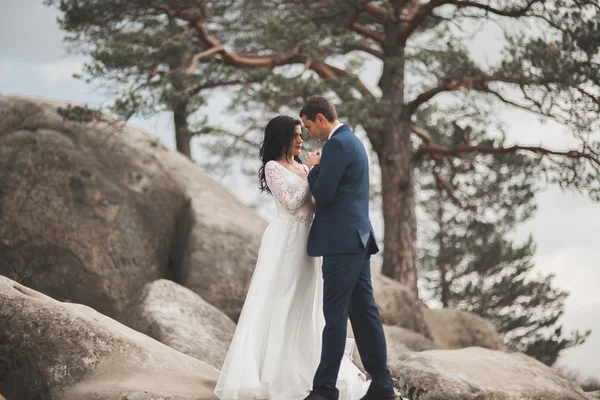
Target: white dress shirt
<point x="335" y="128"/>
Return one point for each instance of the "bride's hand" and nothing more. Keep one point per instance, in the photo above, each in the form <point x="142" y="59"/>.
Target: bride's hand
<point x="313" y="159"/>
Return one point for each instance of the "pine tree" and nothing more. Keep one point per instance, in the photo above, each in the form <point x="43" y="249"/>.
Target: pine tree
<point x="549" y="66"/>
<point x="426" y="65"/>
<point x="147" y="58"/>
<point x="468" y="259"/>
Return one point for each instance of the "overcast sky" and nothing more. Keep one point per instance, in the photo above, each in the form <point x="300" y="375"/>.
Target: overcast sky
<point x="566" y="228"/>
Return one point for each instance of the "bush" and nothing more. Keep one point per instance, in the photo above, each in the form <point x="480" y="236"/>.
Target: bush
<point x="408" y="392"/>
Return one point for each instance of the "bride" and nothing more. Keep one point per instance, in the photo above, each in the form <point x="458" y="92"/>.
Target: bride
<point x="276" y="347"/>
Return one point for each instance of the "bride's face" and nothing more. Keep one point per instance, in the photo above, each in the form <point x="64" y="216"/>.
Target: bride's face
<point x="297" y="141"/>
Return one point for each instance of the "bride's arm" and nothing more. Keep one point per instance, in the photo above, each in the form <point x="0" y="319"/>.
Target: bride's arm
<point x="290" y="197"/>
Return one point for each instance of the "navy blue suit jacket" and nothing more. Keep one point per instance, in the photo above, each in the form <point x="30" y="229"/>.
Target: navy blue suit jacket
<point x="340" y="185"/>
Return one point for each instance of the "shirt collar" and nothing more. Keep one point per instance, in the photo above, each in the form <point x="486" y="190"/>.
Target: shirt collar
<point x="335" y="128"/>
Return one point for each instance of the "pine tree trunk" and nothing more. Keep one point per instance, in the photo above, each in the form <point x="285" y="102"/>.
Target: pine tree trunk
<point x="445" y="285"/>
<point x="398" y="204"/>
<point x="397" y="171"/>
<point x="182" y="132"/>
<point x="180" y="108"/>
<point x="441" y="262"/>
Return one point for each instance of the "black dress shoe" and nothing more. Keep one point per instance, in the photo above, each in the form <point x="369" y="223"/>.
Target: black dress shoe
<point x="373" y="396"/>
<point x="314" y="396"/>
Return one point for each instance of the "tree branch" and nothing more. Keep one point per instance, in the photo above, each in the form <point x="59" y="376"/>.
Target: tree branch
<point x="210" y="85"/>
<point x="201" y="55"/>
<point x="186" y="30"/>
<point x="323" y="69"/>
<point x="420" y="11"/>
<point x="374" y="10"/>
<point x="421" y="133"/>
<point x="342" y="73"/>
<point x="514" y="12"/>
<point x="480" y="83"/>
<point x="368" y="32"/>
<point x="445" y="186"/>
<point x="398" y="6"/>
<point x="461" y="151"/>
<point x="366" y="47"/>
<point x="417" y="15"/>
<point x="237" y="137"/>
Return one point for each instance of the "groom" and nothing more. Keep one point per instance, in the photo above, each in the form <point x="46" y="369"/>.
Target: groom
<point x="343" y="235"/>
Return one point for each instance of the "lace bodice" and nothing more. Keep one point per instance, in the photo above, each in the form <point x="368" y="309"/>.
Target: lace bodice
<point x="291" y="192"/>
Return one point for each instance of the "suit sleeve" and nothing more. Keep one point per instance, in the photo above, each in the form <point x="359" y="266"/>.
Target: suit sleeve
<point x="325" y="177"/>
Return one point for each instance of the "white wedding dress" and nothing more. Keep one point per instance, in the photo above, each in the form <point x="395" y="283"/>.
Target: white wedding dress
<point x="276" y="347"/>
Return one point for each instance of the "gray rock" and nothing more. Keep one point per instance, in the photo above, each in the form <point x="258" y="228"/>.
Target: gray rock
<point x="91" y="211"/>
<point x="476" y="374"/>
<point x="454" y="329"/>
<point x="224" y="235"/>
<point x="179" y="318"/>
<point x="85" y="216"/>
<point x="447" y="328"/>
<point x="396" y="303"/>
<point x="412" y="341"/>
<point x="398" y="341"/>
<point x="57" y="351"/>
<point x="593" y="395"/>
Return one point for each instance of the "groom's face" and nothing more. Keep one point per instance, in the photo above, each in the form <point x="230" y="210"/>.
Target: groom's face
<point x="317" y="128"/>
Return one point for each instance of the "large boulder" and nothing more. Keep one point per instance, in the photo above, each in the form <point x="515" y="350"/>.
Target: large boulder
<point x="475" y="374"/>
<point x="398" y="341"/>
<point x="91" y="210"/>
<point x="179" y="318"/>
<point x="448" y="328"/>
<point x="85" y="215"/>
<point x="594" y="395"/>
<point x="53" y="350"/>
<point x="397" y="336"/>
<point x="454" y="329"/>
<point x="219" y="256"/>
<point x="396" y="303"/>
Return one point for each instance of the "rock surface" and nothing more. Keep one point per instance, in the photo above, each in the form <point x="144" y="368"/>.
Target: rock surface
<point x="412" y="341"/>
<point x="179" y="318"/>
<point x="52" y="350"/>
<point x="454" y="329"/>
<point x="219" y="256"/>
<point x="447" y="328"/>
<point x="91" y="210"/>
<point x="398" y="340"/>
<point x="397" y="304"/>
<point x="84" y="215"/>
<point x="475" y="373"/>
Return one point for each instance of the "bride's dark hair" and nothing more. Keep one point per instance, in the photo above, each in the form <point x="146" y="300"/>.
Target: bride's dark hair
<point x="279" y="139"/>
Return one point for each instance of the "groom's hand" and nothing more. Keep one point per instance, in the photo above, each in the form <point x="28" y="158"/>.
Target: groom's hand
<point x="313" y="159"/>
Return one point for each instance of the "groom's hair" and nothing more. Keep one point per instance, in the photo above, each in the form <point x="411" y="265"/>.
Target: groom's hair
<point x="318" y="105"/>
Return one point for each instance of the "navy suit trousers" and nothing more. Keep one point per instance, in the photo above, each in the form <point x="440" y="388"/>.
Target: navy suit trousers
<point x="348" y="292"/>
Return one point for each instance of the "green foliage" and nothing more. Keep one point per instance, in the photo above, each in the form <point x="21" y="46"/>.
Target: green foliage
<point x="408" y="392"/>
<point x="139" y="55"/>
<point x="79" y="113"/>
<point x="468" y="258"/>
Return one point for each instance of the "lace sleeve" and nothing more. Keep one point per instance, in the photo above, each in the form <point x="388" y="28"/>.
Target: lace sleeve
<point x="290" y="195"/>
